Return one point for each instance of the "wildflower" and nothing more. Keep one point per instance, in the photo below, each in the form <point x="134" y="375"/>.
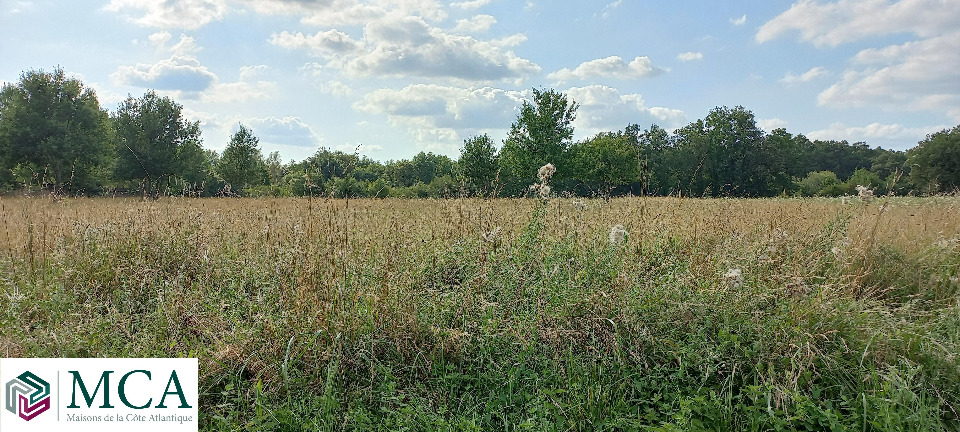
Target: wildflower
<point x="618" y="234"/>
<point x="492" y="236"/>
<point x="734" y="277"/>
<point x="579" y="204"/>
<point x="545" y="172"/>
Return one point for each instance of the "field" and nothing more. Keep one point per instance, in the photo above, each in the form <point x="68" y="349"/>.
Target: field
<point x="316" y="314"/>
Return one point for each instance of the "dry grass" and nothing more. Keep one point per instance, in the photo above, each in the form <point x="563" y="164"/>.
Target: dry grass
<point x="343" y="294"/>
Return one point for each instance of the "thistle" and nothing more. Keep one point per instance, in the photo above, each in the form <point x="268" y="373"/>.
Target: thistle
<point x="618" y="234"/>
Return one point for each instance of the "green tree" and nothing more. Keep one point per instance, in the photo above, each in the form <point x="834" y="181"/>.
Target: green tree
<point x="54" y="124"/>
<point x="606" y="161"/>
<point x="541" y="134"/>
<point x="241" y="164"/>
<point x="478" y="164"/>
<point x="725" y="155"/>
<point x="816" y="182"/>
<point x="935" y="162"/>
<point x="157" y="147"/>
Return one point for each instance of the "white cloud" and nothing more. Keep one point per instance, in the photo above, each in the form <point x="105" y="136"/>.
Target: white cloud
<point x="690" y="56"/>
<point x="477" y="24"/>
<point x="604" y="108"/>
<point x="770" y="124"/>
<point x="807" y="76"/>
<point x="284" y="131"/>
<point x="891" y="135"/>
<point x="407" y="46"/>
<point x="610" y="67"/>
<point x="834" y="23"/>
<point x="921" y="76"/>
<point x="182" y="14"/>
<point x="331" y="42"/>
<point x="252" y="85"/>
<point x="610" y="7"/>
<point x="739" y="21"/>
<point x="468" y="5"/>
<point x="176" y="73"/>
<point x="186" y="46"/>
<point x="439" y="116"/>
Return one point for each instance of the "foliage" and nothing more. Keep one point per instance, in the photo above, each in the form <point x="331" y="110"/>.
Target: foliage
<point x="478" y="165"/>
<point x="935" y="162"/>
<point x="53" y="128"/>
<point x="606" y="161"/>
<point x="541" y="134"/>
<point x="241" y="165"/>
<point x="156" y="147"/>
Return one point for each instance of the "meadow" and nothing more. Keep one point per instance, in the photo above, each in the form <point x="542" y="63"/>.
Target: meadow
<point x="506" y="314"/>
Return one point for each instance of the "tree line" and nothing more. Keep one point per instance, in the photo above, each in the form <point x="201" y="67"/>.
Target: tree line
<point x="54" y="135"/>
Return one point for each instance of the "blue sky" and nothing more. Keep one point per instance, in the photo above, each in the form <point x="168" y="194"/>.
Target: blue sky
<point x="396" y="77"/>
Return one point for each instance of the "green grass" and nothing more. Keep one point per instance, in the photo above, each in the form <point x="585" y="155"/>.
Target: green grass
<point x="397" y="315"/>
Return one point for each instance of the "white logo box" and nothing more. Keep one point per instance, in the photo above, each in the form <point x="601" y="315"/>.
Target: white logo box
<point x="94" y="394"/>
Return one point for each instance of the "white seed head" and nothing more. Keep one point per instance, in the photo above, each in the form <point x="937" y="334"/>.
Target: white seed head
<point x="618" y="234"/>
<point x="734" y="277"/>
<point x="546" y="171"/>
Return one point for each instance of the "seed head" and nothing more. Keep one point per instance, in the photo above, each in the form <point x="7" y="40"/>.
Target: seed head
<point x="618" y="234"/>
<point x="734" y="277"/>
<point x="545" y="172"/>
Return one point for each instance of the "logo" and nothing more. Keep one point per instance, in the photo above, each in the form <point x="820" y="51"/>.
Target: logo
<point x="27" y="396"/>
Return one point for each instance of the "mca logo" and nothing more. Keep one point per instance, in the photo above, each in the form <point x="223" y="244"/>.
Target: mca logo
<point x="27" y="396"/>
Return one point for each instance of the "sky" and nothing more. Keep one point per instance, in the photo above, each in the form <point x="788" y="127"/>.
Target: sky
<point x="392" y="78"/>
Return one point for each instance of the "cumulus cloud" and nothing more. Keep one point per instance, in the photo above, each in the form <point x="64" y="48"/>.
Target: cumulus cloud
<point x="610" y="67"/>
<point x="254" y="84"/>
<point x="834" y="23"/>
<point x="331" y="42"/>
<point x="439" y="116"/>
<point x="185" y="47"/>
<point x="468" y="5"/>
<point x="477" y="24"/>
<point x="894" y="136"/>
<point x="176" y="73"/>
<point x="920" y="75"/>
<point x="689" y="56"/>
<point x="807" y="76"/>
<point x="284" y="131"/>
<point x="407" y="46"/>
<point x="739" y="21"/>
<point x="772" y="123"/>
<point x="604" y="108"/>
<point x="169" y="14"/>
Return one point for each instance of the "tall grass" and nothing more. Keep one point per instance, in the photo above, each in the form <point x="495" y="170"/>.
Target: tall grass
<point x="407" y="314"/>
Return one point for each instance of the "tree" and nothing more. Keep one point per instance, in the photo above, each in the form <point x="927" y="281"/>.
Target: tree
<point x="478" y="164"/>
<point x="725" y="155"/>
<point x="606" y="161"/>
<point x="935" y="162"/>
<point x="241" y="165"/>
<point x="541" y="134"/>
<point x="156" y="146"/>
<point x="54" y="124"/>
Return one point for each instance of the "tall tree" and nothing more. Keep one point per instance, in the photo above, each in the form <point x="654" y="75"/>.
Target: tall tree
<point x="241" y="165"/>
<point x="478" y="164"/>
<point x="157" y="146"/>
<point x="541" y="134"/>
<point x="55" y="125"/>
<point x="728" y="154"/>
<point x="606" y="161"/>
<point x="935" y="162"/>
